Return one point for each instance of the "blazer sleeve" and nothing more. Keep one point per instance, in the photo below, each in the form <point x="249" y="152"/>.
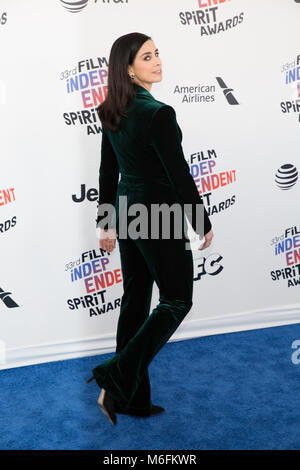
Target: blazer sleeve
<point x="108" y="180"/>
<point x="166" y="139"/>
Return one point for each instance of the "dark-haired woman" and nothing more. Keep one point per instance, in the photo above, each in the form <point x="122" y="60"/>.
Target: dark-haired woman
<point x="141" y="140"/>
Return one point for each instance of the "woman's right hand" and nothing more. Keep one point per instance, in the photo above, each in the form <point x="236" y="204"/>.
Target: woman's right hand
<point x="107" y="240"/>
<point x="208" y="239"/>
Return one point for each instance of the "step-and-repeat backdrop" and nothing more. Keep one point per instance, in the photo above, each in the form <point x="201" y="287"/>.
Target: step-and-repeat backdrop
<point x="231" y="70"/>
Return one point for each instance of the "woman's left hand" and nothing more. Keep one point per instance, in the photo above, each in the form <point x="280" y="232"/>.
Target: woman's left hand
<point x="107" y="240"/>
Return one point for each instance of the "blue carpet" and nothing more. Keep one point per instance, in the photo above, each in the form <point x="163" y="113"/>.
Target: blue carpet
<point x="230" y="391"/>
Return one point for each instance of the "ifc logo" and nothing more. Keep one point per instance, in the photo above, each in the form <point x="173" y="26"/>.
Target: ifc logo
<point x="74" y="6"/>
<point x="286" y="176"/>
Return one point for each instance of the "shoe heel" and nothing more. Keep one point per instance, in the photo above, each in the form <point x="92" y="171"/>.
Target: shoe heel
<point x="106" y="403"/>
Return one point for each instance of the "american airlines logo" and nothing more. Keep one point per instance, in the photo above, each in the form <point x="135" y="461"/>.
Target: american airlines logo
<point x="227" y="91"/>
<point x="7" y="300"/>
<point x="203" y="92"/>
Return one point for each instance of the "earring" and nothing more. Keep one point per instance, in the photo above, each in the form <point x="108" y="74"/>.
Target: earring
<point x="132" y="76"/>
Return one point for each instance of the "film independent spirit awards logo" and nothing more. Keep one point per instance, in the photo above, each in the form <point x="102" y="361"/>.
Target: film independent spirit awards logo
<point x="76" y="6"/>
<point x="291" y="75"/>
<point x="88" y="81"/>
<point x="206" y="17"/>
<point x="95" y="270"/>
<point x="287" y="246"/>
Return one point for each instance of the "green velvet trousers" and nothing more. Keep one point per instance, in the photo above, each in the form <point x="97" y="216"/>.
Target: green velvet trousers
<point x="141" y="334"/>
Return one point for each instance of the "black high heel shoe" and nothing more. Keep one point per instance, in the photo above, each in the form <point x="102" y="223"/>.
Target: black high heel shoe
<point x="106" y="404"/>
<point x="154" y="410"/>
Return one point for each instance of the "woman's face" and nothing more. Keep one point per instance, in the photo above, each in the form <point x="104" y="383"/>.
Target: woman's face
<point x="146" y="66"/>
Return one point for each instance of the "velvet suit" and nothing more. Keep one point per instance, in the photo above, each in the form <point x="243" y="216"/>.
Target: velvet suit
<point x="147" y="153"/>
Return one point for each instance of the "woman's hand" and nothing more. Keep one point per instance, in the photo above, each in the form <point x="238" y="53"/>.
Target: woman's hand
<point x="208" y="239"/>
<point x="107" y="240"/>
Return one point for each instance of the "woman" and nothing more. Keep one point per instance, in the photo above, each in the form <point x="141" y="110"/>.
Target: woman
<point x="142" y="140"/>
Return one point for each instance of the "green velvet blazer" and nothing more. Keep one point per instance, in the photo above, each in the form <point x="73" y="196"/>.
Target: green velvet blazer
<point x="144" y="160"/>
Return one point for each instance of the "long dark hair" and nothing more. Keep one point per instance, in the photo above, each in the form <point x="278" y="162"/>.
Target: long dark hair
<point x="120" y="89"/>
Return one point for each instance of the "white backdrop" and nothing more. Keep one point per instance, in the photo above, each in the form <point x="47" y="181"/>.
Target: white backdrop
<point x="53" y="75"/>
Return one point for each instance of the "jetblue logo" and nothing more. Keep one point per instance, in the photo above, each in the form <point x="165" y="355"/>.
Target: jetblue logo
<point x="90" y="195"/>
